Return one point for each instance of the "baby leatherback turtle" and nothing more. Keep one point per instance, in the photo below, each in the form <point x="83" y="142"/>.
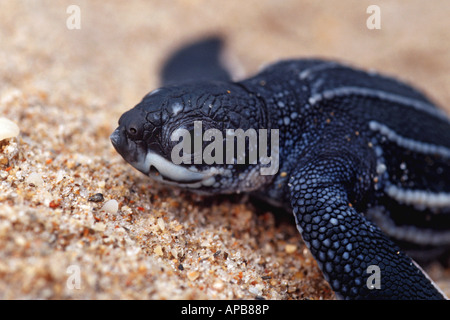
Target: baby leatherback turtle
<point x="364" y="160"/>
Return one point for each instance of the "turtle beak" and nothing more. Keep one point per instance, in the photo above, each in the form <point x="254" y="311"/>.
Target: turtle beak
<point x="115" y="138"/>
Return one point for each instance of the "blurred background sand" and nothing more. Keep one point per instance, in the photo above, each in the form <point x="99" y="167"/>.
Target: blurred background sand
<point x="67" y="88"/>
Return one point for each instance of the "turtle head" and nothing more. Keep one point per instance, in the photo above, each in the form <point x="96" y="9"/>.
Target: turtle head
<point x="202" y="136"/>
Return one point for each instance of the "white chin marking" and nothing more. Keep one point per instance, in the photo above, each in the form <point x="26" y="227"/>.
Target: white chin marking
<point x="177" y="175"/>
<point x="171" y="170"/>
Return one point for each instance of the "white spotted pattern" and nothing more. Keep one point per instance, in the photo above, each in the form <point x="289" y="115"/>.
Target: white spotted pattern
<point x="320" y="67"/>
<point x="408" y="233"/>
<point x="419" y="198"/>
<point x="382" y="95"/>
<point x="410" y="144"/>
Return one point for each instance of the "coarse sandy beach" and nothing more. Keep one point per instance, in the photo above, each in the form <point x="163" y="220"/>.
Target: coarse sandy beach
<point x="66" y="89"/>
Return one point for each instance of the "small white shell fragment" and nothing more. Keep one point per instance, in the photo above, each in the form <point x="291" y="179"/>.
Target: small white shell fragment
<point x="59" y="176"/>
<point x="255" y="291"/>
<point x="35" y="179"/>
<point x="8" y="129"/>
<point x="111" y="206"/>
<point x="161" y="224"/>
<point x="218" y="285"/>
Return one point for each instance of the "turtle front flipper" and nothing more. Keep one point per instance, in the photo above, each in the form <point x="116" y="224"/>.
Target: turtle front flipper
<point x="197" y="61"/>
<point x="355" y="257"/>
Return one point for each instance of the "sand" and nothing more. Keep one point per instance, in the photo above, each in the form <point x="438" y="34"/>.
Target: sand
<point x="77" y="222"/>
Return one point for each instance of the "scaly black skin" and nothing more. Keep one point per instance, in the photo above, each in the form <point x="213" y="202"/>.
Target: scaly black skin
<point x="335" y="163"/>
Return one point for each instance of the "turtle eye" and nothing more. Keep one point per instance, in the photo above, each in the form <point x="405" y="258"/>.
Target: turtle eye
<point x="132" y="130"/>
